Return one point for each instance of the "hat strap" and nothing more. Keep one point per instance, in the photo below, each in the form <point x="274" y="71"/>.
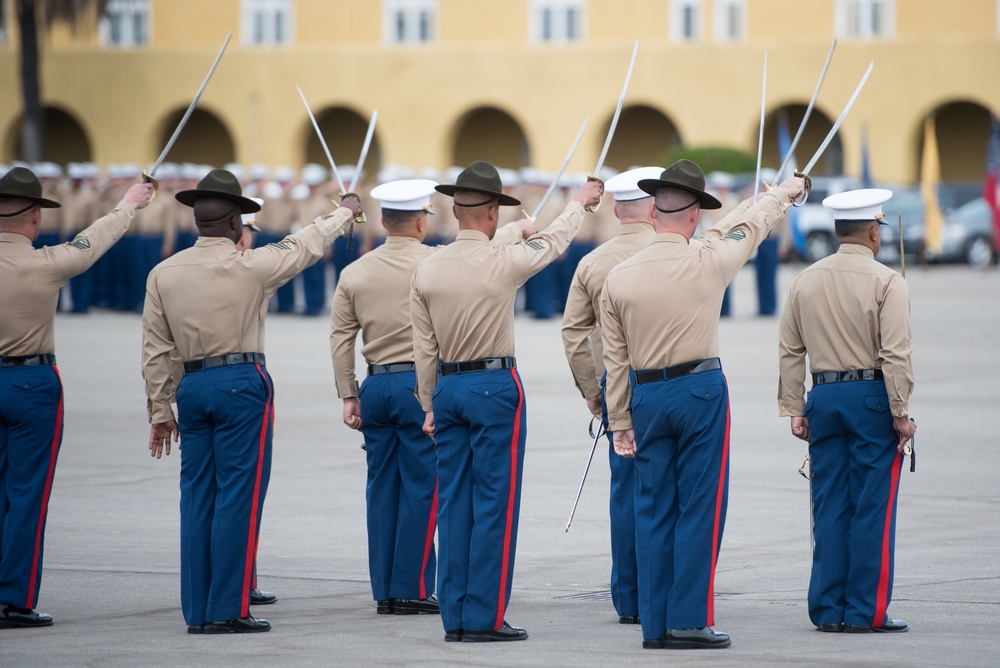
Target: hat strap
<point x="469" y="206"/>
<point x="18" y="213"/>
<point x="686" y="206"/>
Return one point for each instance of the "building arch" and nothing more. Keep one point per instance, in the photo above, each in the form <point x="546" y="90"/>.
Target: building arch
<point x="831" y="163"/>
<point x="205" y="139"/>
<point x="344" y="130"/>
<point x="962" y="128"/>
<point x="645" y="136"/>
<point x="66" y="140"/>
<point x="491" y="134"/>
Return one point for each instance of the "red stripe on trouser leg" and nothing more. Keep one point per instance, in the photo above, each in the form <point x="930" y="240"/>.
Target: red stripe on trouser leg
<point x="248" y="567"/>
<point x="882" y="594"/>
<point x="508" y="527"/>
<point x="56" y="437"/>
<point x="429" y="542"/>
<point x="715" y="528"/>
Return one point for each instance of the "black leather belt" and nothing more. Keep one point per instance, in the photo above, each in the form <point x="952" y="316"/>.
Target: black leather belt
<point x="395" y="367"/>
<point x="224" y="360"/>
<point x="488" y="364"/>
<point x="823" y="377"/>
<point x="697" y="366"/>
<point x="27" y="360"/>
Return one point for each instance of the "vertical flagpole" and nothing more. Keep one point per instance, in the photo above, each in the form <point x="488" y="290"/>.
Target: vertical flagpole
<point x="760" y="133"/>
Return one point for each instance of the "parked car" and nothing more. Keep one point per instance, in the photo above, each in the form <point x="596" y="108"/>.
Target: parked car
<point x="907" y="204"/>
<point x="968" y="235"/>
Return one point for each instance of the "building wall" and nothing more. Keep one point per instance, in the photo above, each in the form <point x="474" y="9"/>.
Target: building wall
<point x="484" y="56"/>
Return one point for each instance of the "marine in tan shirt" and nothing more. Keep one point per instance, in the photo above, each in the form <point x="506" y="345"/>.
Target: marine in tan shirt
<point x="668" y="402"/>
<point x="850" y="316"/>
<point x="203" y="342"/>
<point x="31" y="393"/>
<point x="462" y="305"/>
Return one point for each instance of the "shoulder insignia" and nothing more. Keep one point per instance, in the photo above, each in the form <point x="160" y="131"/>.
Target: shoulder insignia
<point x="281" y="245"/>
<point x="535" y="245"/>
<point x="80" y="243"/>
<point x="737" y="234"/>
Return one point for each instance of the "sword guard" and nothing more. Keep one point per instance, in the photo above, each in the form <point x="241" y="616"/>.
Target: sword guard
<point x="148" y="178"/>
<point x="808" y="187"/>
<point x="360" y="218"/>
<point x="592" y="209"/>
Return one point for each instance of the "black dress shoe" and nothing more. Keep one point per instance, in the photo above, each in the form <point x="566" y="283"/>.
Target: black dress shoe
<point x="384" y="607"/>
<point x="504" y="633"/>
<point x="246" y="624"/>
<point x="23" y="618"/>
<point x="454" y="635"/>
<point x="196" y="629"/>
<point x="704" y="638"/>
<point x="653" y="643"/>
<point x="830" y="628"/>
<point x="888" y="626"/>
<point x="416" y="606"/>
<point x="258" y="597"/>
<point x="628" y="619"/>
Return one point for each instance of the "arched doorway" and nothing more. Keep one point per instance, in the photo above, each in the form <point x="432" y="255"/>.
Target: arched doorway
<point x="963" y="134"/>
<point x="65" y="139"/>
<point x="204" y="140"/>
<point x="344" y="131"/>
<point x="644" y="137"/>
<point x="489" y="134"/>
<point x="831" y="163"/>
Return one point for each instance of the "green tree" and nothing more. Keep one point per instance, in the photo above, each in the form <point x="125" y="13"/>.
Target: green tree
<point x="716" y="158"/>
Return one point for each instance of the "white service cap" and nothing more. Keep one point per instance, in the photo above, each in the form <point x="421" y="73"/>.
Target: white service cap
<point x="236" y="170"/>
<point x="284" y="174"/>
<point x="865" y="204"/>
<point x="259" y="172"/>
<point x="625" y="186"/>
<point x="405" y="195"/>
<point x="250" y="219"/>
<point x="48" y="170"/>
<point x="313" y="174"/>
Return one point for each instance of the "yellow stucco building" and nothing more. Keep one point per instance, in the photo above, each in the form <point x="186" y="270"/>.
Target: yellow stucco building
<point x="511" y="81"/>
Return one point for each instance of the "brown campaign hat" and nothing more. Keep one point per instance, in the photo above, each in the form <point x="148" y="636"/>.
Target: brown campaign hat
<point x="21" y="183"/>
<point x="683" y="175"/>
<point x="219" y="183"/>
<point x="480" y="177"/>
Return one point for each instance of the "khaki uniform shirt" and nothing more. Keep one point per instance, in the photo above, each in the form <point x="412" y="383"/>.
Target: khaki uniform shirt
<point x="373" y="295"/>
<point x="661" y="307"/>
<point x="211" y="300"/>
<point x="81" y="207"/>
<point x="462" y="301"/>
<point x="30" y="280"/>
<point x="581" y="326"/>
<point x="846" y="312"/>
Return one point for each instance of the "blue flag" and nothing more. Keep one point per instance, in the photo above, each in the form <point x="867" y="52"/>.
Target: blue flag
<point x="866" y="170"/>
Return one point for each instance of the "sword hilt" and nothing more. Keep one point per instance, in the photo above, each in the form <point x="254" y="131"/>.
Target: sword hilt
<point x="148" y="178"/>
<point x="595" y="207"/>
<point x="808" y="187"/>
<point x="360" y="218"/>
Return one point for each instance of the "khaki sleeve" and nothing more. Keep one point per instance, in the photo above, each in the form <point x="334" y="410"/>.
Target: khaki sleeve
<point x="726" y="223"/>
<point x="579" y="321"/>
<point x="77" y="255"/>
<point x="344" y="328"/>
<point x="425" y="346"/>
<point x="508" y="234"/>
<point x="279" y="262"/>
<point x="896" y="348"/>
<point x="743" y="232"/>
<point x="542" y="248"/>
<point x="791" y="361"/>
<point x="160" y="361"/>
<point x="618" y="392"/>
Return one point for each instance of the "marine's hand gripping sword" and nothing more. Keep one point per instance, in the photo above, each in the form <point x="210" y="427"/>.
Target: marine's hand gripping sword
<point x="614" y="124"/>
<point x="147" y="177"/>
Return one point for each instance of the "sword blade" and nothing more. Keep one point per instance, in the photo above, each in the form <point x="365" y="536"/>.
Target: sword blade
<point x="579" y="492"/>
<point x="190" y="109"/>
<point x="902" y="257"/>
<point x="618" y="112"/>
<point x="760" y="132"/>
<point x="805" y="117"/>
<point x="840" y="119"/>
<point x="555" y="181"/>
<point x="322" y="141"/>
<point x="364" y="151"/>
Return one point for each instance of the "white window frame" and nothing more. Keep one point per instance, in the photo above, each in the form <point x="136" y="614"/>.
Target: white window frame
<point x="678" y="8"/>
<point x="721" y="14"/>
<point x="416" y="15"/>
<point x="557" y="29"/>
<point x="864" y="24"/>
<point x="127" y="11"/>
<point x="255" y="13"/>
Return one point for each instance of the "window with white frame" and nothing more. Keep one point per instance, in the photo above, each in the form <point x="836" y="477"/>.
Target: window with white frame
<point x="729" y="20"/>
<point x="409" y="21"/>
<point x="268" y="22"/>
<point x="557" y="21"/>
<point x="125" y="24"/>
<point x="866" y="19"/>
<point x="685" y="20"/>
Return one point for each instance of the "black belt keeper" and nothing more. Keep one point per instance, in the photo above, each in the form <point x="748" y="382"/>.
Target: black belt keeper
<point x="823" y="377"/>
<point x="26" y="360"/>
<point x="697" y="366"/>
<point x="224" y="360"/>
<point x="488" y="364"/>
<point x="395" y="367"/>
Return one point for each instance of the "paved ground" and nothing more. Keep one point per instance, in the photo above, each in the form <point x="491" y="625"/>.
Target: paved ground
<point x="111" y="568"/>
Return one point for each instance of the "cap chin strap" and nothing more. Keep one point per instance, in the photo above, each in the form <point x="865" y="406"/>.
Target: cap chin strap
<point x="222" y="217"/>
<point x="469" y="206"/>
<point x="686" y="206"/>
<point x="18" y="213"/>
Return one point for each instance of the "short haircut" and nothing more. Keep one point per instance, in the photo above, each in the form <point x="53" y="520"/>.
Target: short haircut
<point x="397" y="218"/>
<point x="673" y="199"/>
<point x="11" y="207"/>
<point x="852" y="228"/>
